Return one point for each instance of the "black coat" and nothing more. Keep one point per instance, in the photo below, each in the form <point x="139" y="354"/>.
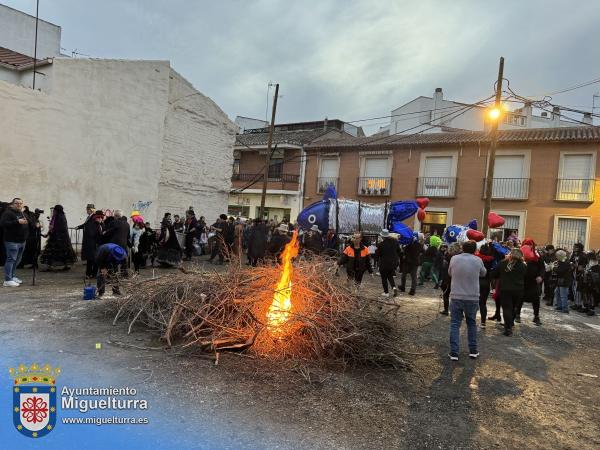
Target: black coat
<point x="13" y="230"/>
<point x="313" y="241"/>
<point x="412" y="254"/>
<point x="532" y="288"/>
<point x="117" y="233"/>
<point x="278" y="243"/>
<point x="356" y="261"/>
<point x="92" y="231"/>
<point x="388" y="254"/>
<point x="257" y="241"/>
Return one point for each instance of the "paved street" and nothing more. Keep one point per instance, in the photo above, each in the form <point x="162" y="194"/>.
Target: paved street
<point x="507" y="398"/>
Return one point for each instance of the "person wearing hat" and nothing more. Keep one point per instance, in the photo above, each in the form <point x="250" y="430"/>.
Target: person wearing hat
<point x="313" y="241"/>
<point x="89" y="241"/>
<point x="108" y="259"/>
<point x="92" y="232"/>
<point x="279" y="240"/>
<point x="388" y="255"/>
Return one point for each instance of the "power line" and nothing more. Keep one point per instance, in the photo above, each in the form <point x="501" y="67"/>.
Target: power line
<point x="568" y="89"/>
<point x="465" y="108"/>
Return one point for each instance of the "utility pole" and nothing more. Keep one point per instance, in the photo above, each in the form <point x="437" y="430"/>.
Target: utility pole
<point x="489" y="178"/>
<point x="263" y="197"/>
<point x="37" y="10"/>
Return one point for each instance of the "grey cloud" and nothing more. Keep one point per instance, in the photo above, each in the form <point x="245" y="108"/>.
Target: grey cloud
<point x="342" y="59"/>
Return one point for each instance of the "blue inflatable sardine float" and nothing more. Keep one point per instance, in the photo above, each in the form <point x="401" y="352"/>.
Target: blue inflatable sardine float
<point x="347" y="216"/>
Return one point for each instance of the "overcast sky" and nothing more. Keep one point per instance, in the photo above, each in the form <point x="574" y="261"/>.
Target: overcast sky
<point x="343" y="59"/>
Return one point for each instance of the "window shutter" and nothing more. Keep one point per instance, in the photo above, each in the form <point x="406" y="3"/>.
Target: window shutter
<point x="438" y="166"/>
<point x="376" y="167"/>
<point x="329" y="168"/>
<point x="577" y="167"/>
<point x="509" y="166"/>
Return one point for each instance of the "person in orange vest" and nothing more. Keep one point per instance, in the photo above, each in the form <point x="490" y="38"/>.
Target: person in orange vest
<point x="357" y="260"/>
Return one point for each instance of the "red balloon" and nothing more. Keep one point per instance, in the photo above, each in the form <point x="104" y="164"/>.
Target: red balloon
<point x="421" y="214"/>
<point x="475" y="235"/>
<point x="423" y="202"/>
<point x="494" y="220"/>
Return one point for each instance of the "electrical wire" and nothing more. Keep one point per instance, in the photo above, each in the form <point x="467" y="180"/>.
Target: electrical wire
<point x="464" y="109"/>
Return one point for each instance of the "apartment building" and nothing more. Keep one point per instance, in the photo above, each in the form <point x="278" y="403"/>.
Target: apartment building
<point x="437" y="114"/>
<point x="544" y="179"/>
<point x="286" y="170"/>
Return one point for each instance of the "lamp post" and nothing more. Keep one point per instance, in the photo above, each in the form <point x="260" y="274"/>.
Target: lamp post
<point x="495" y="115"/>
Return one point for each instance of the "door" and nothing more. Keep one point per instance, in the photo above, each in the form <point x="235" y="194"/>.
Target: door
<point x="434" y="223"/>
<point x="509" y="177"/>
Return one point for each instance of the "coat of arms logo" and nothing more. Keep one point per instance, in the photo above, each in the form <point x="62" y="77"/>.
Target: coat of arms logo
<point x="34" y="399"/>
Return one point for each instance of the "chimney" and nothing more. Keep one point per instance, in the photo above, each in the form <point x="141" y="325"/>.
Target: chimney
<point x="587" y="118"/>
<point x="556" y="116"/>
<point x="527" y="111"/>
<point x="438" y="98"/>
<point x="325" y="124"/>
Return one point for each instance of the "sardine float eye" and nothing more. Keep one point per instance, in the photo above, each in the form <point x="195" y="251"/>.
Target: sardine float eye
<point x="312" y="218"/>
<point x="452" y="234"/>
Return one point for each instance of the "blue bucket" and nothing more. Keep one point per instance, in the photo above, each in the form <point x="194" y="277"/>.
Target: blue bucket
<point x="89" y="292"/>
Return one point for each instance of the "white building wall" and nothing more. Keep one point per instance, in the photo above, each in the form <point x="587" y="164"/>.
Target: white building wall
<point x="197" y="154"/>
<point x="17" y="33"/>
<point x="99" y="136"/>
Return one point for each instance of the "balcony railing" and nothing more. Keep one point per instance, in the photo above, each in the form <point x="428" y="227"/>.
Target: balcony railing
<point x="283" y="178"/>
<point x="575" y="190"/>
<point x="436" y="186"/>
<point x="508" y="188"/>
<point x="324" y="182"/>
<point x="374" y="186"/>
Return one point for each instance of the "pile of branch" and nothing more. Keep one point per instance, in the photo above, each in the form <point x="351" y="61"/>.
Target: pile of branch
<point x="217" y="312"/>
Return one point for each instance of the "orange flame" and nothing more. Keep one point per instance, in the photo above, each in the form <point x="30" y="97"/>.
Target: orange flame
<point x="279" y="311"/>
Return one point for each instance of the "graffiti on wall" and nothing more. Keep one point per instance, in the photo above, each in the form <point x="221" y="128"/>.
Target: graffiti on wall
<point x="141" y="206"/>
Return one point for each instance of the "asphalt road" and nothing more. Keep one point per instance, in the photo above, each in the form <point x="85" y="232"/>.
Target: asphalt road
<point x="524" y="392"/>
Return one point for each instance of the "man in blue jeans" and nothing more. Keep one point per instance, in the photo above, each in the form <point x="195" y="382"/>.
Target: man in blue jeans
<point x="15" y="229"/>
<point x="465" y="270"/>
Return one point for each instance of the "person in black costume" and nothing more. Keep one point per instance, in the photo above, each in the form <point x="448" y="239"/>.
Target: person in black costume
<point x="58" y="250"/>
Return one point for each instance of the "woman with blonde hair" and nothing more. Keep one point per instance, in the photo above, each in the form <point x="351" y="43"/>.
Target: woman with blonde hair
<point x="511" y="273"/>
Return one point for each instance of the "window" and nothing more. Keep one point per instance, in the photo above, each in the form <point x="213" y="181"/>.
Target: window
<point x="510" y="177"/>
<point x="328" y="173"/>
<point x="511" y="227"/>
<point x="576" y="177"/>
<point x="570" y="230"/>
<point x="437" y="176"/>
<point x="276" y="165"/>
<point x="375" y="179"/>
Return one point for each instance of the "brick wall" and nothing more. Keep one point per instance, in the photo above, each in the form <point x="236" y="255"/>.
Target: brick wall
<point x="540" y="207"/>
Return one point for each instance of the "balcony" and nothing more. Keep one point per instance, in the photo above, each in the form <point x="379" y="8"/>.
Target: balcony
<point x="324" y="182"/>
<point x="374" y="186"/>
<point x="436" y="187"/>
<point x="283" y="178"/>
<point x="575" y="190"/>
<point x="509" y="188"/>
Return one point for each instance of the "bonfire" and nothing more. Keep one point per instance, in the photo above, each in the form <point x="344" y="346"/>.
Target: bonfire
<point x="295" y="309"/>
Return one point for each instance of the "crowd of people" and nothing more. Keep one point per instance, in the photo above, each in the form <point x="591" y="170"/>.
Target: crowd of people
<point x="512" y="272"/>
